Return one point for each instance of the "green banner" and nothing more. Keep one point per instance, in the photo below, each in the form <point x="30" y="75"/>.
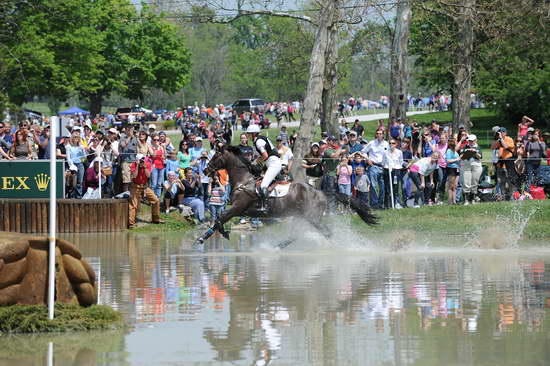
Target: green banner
<point x="29" y="179"/>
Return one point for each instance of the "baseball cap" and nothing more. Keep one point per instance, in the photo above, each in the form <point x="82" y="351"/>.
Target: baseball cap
<point x="502" y="129"/>
<point x="322" y="142"/>
<point x="152" y="126"/>
<point x="332" y="138"/>
<point x="113" y="130"/>
<point x="352" y="132"/>
<point x="472" y="137"/>
<point x="315" y="144"/>
<point x="530" y="129"/>
<point x="139" y="156"/>
<point x="198" y="138"/>
<point x="279" y="138"/>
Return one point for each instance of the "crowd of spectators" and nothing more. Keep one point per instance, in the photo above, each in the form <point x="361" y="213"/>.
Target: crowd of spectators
<point x="415" y="164"/>
<point x="443" y="166"/>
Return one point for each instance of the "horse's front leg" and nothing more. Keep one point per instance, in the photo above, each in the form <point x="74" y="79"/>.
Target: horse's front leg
<point x="236" y="210"/>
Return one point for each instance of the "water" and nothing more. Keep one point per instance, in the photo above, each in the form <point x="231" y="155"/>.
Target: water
<point x="357" y="302"/>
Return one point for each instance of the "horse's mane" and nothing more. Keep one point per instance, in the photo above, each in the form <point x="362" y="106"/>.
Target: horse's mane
<point x="233" y="149"/>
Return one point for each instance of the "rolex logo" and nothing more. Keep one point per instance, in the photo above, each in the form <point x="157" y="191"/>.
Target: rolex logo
<point x="42" y="180"/>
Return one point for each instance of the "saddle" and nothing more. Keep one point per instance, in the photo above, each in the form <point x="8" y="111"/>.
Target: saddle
<point x="278" y="188"/>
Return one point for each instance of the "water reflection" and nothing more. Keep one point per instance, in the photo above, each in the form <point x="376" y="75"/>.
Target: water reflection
<point x="238" y="304"/>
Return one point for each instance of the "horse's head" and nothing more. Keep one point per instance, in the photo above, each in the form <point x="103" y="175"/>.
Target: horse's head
<point x="217" y="162"/>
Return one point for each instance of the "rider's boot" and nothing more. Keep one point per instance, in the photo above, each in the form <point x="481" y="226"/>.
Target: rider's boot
<point x="263" y="199"/>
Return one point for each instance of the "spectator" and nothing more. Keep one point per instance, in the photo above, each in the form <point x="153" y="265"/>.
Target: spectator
<point x="535" y="151"/>
<point x="441" y="148"/>
<point x="362" y="184"/>
<point x="128" y="150"/>
<point x="470" y="169"/>
<point x="76" y="158"/>
<point x="158" y="157"/>
<point x="4" y="145"/>
<point x="419" y="172"/>
<point x="204" y="180"/>
<point x="331" y="157"/>
<point x="172" y="164"/>
<point x="173" y="191"/>
<point x="393" y="163"/>
<point x="359" y="130"/>
<point x="523" y="127"/>
<point x="91" y="179"/>
<point x="519" y="163"/>
<point x="344" y="172"/>
<point x="44" y="144"/>
<point x="283" y="135"/>
<point x="216" y="202"/>
<point x="452" y="159"/>
<point x="191" y="192"/>
<point x="375" y="151"/>
<point x="143" y="146"/>
<point x="196" y="153"/>
<point x="184" y="158"/>
<point x="165" y="142"/>
<point x="353" y="145"/>
<point x="140" y="173"/>
<point x="506" y="173"/>
<point x="21" y="149"/>
<point x="313" y="165"/>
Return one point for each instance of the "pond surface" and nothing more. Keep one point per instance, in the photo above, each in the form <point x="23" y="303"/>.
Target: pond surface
<point x="353" y="303"/>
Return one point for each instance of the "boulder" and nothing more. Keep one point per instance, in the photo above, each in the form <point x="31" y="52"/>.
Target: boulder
<point x="24" y="272"/>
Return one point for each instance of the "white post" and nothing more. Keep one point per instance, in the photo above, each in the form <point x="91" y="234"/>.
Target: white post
<point x="50" y="352"/>
<point x="53" y="216"/>
<point x="99" y="162"/>
<point x="391" y="188"/>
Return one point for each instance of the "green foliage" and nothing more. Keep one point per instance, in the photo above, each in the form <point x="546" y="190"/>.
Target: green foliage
<point x="61" y="47"/>
<point x="68" y="318"/>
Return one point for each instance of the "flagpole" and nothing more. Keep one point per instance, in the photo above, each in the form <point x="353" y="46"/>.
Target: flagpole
<point x="53" y="215"/>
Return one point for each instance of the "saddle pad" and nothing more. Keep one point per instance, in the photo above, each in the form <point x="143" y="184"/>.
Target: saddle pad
<point x="280" y="190"/>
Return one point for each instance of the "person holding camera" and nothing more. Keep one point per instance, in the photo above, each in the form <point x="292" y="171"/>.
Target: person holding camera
<point x="535" y="150"/>
<point x="140" y="171"/>
<point x="506" y="171"/>
<point x="470" y="169"/>
<point x="173" y="191"/>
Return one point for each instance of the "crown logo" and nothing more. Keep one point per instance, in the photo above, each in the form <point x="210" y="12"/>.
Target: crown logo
<point x="42" y="180"/>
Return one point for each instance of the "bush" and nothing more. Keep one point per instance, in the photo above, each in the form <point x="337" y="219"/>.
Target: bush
<point x="68" y="317"/>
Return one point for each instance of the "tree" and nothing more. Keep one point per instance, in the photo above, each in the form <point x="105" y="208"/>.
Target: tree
<point x="399" y="61"/>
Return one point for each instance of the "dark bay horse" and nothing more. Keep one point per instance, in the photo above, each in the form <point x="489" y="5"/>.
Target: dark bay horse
<point x="302" y="199"/>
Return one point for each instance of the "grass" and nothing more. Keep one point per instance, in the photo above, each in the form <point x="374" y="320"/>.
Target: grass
<point x="172" y="222"/>
<point x="460" y="220"/>
<point x="68" y="318"/>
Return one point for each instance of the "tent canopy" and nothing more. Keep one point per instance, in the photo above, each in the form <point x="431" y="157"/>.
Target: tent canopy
<point x="74" y="110"/>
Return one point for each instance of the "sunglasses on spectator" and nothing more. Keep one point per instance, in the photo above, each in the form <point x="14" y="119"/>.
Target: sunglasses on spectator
<point x="155" y="139"/>
<point x="393" y="143"/>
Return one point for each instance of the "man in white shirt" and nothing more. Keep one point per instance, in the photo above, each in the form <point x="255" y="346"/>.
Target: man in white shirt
<point x="375" y="150"/>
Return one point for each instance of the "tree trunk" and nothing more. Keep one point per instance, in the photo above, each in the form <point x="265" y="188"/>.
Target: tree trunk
<point x="96" y="101"/>
<point x="329" y="120"/>
<point x="314" y="86"/>
<point x="399" y="66"/>
<point x="463" y="73"/>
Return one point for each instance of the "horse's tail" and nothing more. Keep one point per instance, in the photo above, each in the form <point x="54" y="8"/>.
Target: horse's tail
<point x="360" y="207"/>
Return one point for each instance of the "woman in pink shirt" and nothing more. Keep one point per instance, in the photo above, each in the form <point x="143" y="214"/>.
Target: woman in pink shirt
<point x="158" y="157"/>
<point x="344" y="172"/>
<point x="441" y="147"/>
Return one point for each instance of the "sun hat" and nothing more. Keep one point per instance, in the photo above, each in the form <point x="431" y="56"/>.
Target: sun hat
<point x="152" y="126"/>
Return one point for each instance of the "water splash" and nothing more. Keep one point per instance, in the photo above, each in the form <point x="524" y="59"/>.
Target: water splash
<point x="505" y="232"/>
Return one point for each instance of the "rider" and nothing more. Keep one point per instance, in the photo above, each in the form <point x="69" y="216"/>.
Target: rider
<point x="269" y="155"/>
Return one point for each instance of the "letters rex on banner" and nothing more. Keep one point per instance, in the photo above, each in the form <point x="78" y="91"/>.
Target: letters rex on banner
<point x="29" y="179"/>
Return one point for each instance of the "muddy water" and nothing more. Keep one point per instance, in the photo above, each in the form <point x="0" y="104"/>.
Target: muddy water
<point x="349" y="303"/>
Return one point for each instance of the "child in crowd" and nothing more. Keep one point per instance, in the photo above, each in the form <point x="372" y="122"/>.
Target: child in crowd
<point x="344" y="176"/>
<point x="362" y="184"/>
<point x="172" y="164"/>
<point x="216" y="202"/>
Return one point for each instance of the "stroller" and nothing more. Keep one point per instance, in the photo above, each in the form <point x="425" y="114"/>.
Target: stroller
<point x="486" y="190"/>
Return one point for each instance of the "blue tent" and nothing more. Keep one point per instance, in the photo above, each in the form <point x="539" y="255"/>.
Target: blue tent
<point x="74" y="110"/>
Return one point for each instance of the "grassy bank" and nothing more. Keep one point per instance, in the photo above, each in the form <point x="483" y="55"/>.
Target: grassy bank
<point x="173" y="221"/>
<point x="460" y="220"/>
<point x="68" y="318"/>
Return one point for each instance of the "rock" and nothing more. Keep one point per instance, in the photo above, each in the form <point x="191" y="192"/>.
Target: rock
<point x="68" y="248"/>
<point x="34" y="287"/>
<point x="86" y="294"/>
<point x="24" y="272"/>
<point x="64" y="292"/>
<point x="75" y="270"/>
<point x="12" y="248"/>
<point x="89" y="271"/>
<point x="10" y="295"/>
<point x="12" y="273"/>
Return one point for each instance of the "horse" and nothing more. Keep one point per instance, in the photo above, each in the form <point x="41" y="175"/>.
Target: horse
<point x="301" y="200"/>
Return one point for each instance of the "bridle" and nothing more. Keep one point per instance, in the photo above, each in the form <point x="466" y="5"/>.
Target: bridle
<point x="215" y="164"/>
